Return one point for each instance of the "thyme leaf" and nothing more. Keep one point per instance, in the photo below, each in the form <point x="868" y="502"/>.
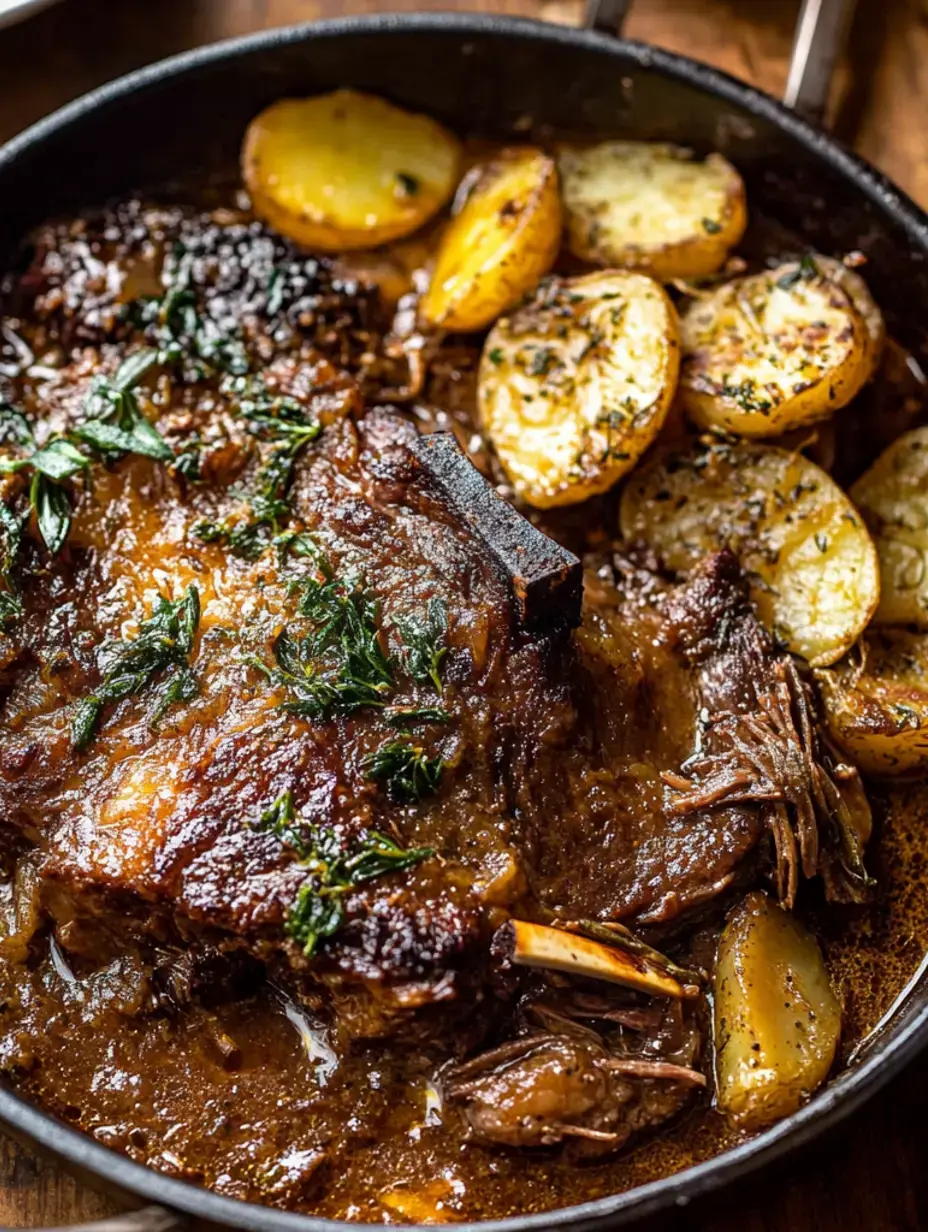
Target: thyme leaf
<point x="50" y="464"/>
<point x="163" y="646"/>
<point x="114" y="421"/>
<point x="404" y="770"/>
<point x="339" y="666"/>
<point x="425" y="643"/>
<point x="11" y="533"/>
<point x="333" y="871"/>
<point x="283" y="421"/>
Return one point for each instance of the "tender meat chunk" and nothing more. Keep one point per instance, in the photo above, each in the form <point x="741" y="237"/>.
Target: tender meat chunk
<point x="545" y="1088"/>
<point x="760" y="742"/>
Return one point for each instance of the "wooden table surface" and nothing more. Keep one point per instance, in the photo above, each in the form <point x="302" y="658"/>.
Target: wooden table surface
<point x="871" y="1175"/>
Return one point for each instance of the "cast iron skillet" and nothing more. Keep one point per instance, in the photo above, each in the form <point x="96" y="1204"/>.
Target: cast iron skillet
<point x="482" y="75"/>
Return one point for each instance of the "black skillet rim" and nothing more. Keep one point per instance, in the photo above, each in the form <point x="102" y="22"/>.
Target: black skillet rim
<point x="897" y="1046"/>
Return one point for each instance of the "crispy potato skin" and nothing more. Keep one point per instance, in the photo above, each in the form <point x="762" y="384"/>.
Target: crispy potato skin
<point x="814" y="570"/>
<point x="651" y="207"/>
<point x="777" y="1019"/>
<point x="876" y="705"/>
<point x="347" y="170"/>
<point x="856" y="289"/>
<point x="503" y="239"/>
<point x="575" y="386"/>
<point x="773" y="351"/>
<point x="893" y="498"/>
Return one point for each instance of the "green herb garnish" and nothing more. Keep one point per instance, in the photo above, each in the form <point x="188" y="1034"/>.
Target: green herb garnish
<point x="745" y="395"/>
<point x="183" y="335"/>
<point x="425" y="643"/>
<point x="283" y="421"/>
<point x="54" y="462"/>
<point x="404" y="770"/>
<point x="11" y="533"/>
<point x="163" y="646"/>
<point x="340" y="665"/>
<point x="711" y="227"/>
<point x="804" y="270"/>
<point x="319" y="909"/>
<point x="114" y="421"/>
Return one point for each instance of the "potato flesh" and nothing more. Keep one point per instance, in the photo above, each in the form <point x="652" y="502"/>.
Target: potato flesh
<point x="876" y="706"/>
<point x="574" y="386"/>
<point x="893" y="499"/>
<point x="810" y="561"/>
<point x="347" y="170"/>
<point x="772" y="352"/>
<point x="500" y="243"/>
<point x="651" y="207"/>
<point x="777" y="1019"/>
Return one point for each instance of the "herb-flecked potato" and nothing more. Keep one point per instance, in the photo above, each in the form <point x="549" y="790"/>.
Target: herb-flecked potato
<point x="502" y="240"/>
<point x="777" y="1019"/>
<point x="876" y="703"/>
<point x="893" y="498"/>
<point x="575" y="385"/>
<point x="347" y="170"/>
<point x="774" y="351"/>
<point x="652" y="207"/>
<point x="810" y="560"/>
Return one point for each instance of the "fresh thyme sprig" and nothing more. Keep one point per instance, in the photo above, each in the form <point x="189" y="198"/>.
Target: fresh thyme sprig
<point x="284" y="422"/>
<point x="425" y="643"/>
<point x="11" y="533"/>
<point x="405" y="770"/>
<point x="340" y="665"/>
<point x="114" y="422"/>
<point x="319" y="909"/>
<point x="50" y="464"/>
<point x="163" y="647"/>
<point x="183" y="335"/>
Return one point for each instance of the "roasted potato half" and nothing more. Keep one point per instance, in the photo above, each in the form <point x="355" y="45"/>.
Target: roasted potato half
<point x="809" y="558"/>
<point x="777" y="1019"/>
<point x="651" y="207"/>
<point x="893" y="498"/>
<point x="774" y="351"/>
<point x="347" y="170"/>
<point x="574" y="386"/>
<point x="876" y="703"/>
<point x="502" y="240"/>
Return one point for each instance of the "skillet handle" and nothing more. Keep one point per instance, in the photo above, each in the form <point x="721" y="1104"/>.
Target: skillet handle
<point x="148" y="1219"/>
<point x="820" y="34"/>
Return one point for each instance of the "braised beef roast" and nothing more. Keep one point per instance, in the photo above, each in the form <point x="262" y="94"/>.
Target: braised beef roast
<point x="300" y="707"/>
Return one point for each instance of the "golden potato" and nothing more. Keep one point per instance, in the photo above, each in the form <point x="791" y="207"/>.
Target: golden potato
<point x="876" y="703"/>
<point x="347" y="170"/>
<point x="574" y="386"/>
<point x="651" y="207"/>
<point x="777" y="1019"/>
<point x="810" y="561"/>
<point x="502" y="240"/>
<point x="858" y="292"/>
<point x="893" y="498"/>
<point x="773" y="351"/>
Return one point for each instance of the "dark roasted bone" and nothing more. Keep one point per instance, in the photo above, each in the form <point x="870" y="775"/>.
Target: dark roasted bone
<point x="545" y="579"/>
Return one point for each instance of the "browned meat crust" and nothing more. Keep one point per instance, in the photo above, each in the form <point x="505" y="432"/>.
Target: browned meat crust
<point x="633" y="770"/>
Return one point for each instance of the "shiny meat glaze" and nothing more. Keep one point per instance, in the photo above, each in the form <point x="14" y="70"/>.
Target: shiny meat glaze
<point x="146" y="909"/>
